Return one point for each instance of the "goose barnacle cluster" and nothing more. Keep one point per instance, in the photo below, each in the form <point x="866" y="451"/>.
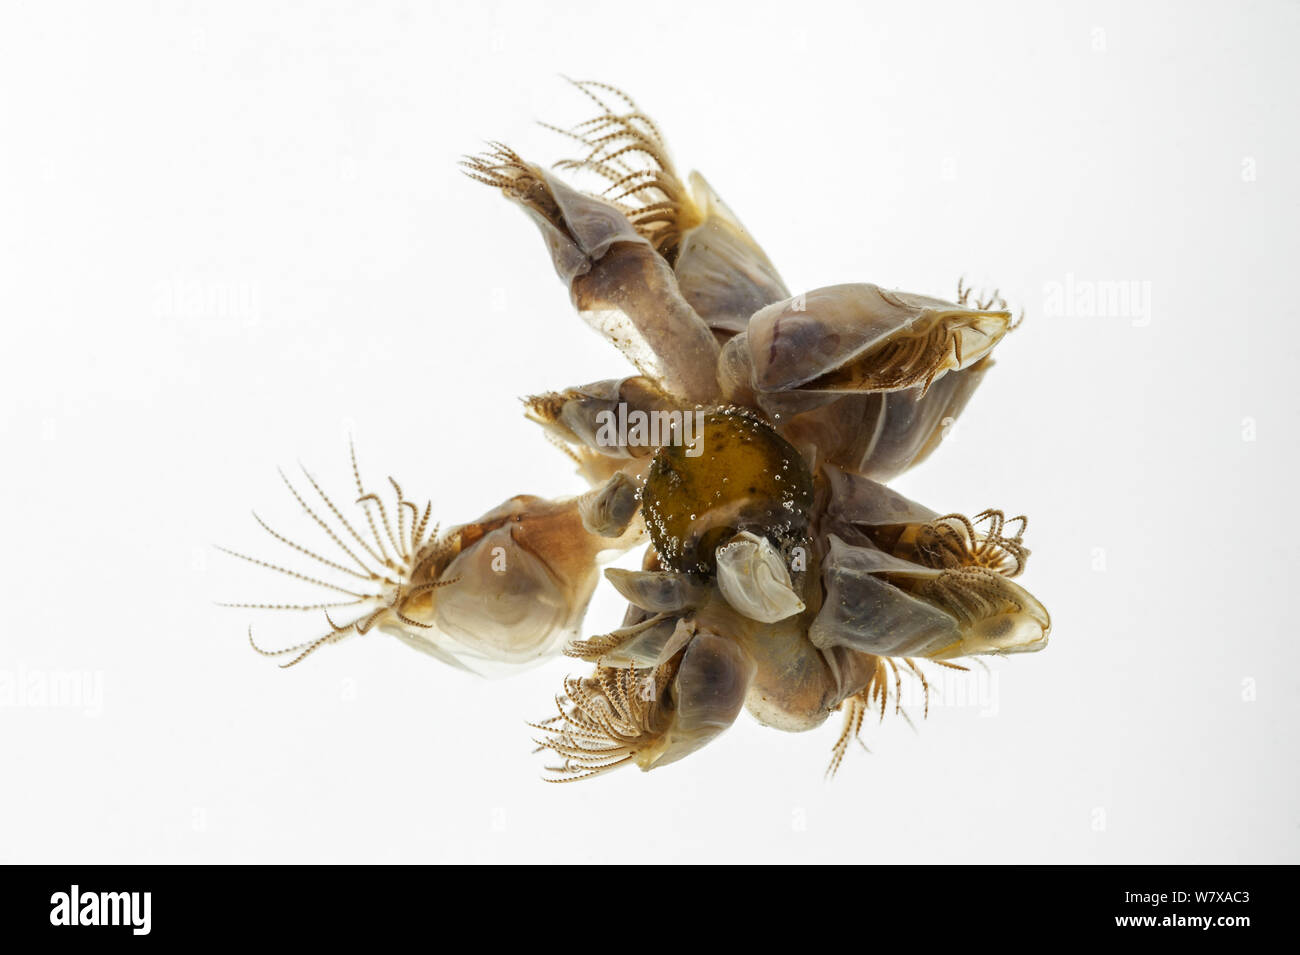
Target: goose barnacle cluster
<point x="780" y="574"/>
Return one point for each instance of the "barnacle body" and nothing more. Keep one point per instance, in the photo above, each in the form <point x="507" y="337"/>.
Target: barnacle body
<point x="748" y="456"/>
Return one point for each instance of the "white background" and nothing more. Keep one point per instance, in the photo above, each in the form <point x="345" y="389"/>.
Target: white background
<point x="233" y="233"/>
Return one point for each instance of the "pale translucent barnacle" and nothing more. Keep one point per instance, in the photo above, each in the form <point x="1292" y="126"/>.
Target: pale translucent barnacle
<point x="754" y="579"/>
<point x="652" y="717"/>
<point x="780" y="575"/>
<point x="506" y="589"/>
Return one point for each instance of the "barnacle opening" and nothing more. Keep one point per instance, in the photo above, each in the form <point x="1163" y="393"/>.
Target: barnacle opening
<point x="918" y="355"/>
<point x="858" y="337"/>
<point x="503" y="168"/>
<point x="396" y="568"/>
<point x="606" y="720"/>
<point x="627" y="150"/>
<point x="993" y="614"/>
<point x="954" y="541"/>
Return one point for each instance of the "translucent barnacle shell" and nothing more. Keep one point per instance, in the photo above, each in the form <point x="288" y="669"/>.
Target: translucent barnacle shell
<point x="881" y="434"/>
<point x="862" y="338"/>
<point x="753" y="578"/>
<point x="619" y="284"/>
<point x="650" y="717"/>
<point x="518" y="583"/>
<point x="706" y="696"/>
<point x="888" y="606"/>
<point x="579" y="416"/>
<point x="658" y="591"/>
<point x="782" y="576"/>
<point x="722" y="271"/>
<point x="609" y="510"/>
